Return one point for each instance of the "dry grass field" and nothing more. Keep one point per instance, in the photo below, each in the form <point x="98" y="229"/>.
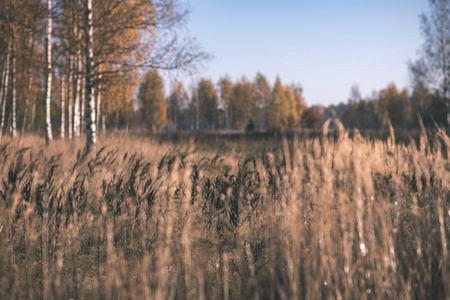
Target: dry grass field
<point x="322" y="218"/>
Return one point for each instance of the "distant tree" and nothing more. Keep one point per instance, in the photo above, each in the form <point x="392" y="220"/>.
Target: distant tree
<point x="420" y="98"/>
<point x="226" y="94"/>
<point x="355" y="94"/>
<point x="435" y="111"/>
<point x="243" y="104"/>
<point x="177" y="101"/>
<point x="395" y="106"/>
<point x="435" y="59"/>
<point x="278" y="109"/>
<point x="362" y="115"/>
<point x="292" y="118"/>
<point x="310" y="118"/>
<point x="207" y="104"/>
<point x="152" y="100"/>
<point x="194" y="109"/>
<point x="263" y="96"/>
<point x="300" y="104"/>
<point x="118" y="97"/>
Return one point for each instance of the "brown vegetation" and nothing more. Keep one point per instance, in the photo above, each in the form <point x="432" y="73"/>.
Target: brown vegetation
<point x="309" y="219"/>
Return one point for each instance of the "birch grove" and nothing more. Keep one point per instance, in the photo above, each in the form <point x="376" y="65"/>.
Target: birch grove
<point x="83" y="49"/>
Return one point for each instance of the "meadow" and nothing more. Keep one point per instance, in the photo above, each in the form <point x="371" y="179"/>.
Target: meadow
<point x="326" y="217"/>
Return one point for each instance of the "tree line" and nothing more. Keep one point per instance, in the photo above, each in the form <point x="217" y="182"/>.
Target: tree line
<point x="71" y="66"/>
<point x="224" y="105"/>
<point x="249" y="105"/>
<point x="390" y="106"/>
<point x="429" y="100"/>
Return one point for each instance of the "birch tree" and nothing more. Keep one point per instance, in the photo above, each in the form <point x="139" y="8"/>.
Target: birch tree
<point x="70" y="99"/>
<point x="5" y="91"/>
<point x="13" y="87"/>
<point x="48" y="83"/>
<point x="177" y="101"/>
<point x="263" y="96"/>
<point x="63" y="107"/>
<point x="130" y="35"/>
<point x="91" y="39"/>
<point x="436" y="48"/>
<point x="99" y="99"/>
<point x="226" y="96"/>
<point x="77" y="90"/>
<point x="91" y="128"/>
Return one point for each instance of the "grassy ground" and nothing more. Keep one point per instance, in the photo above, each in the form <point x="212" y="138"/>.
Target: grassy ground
<point x="230" y="218"/>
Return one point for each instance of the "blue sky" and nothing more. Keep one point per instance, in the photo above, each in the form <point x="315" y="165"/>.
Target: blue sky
<point x="325" y="45"/>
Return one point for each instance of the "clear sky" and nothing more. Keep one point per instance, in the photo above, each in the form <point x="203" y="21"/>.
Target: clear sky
<point x="325" y="45"/>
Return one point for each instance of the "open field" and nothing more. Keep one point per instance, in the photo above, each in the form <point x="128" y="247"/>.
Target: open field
<point x="341" y="218"/>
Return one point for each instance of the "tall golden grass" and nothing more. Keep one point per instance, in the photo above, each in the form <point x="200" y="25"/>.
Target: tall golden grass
<point x="322" y="218"/>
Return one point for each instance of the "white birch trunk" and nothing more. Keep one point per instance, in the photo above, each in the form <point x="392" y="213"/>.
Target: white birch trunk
<point x="14" y="97"/>
<point x="5" y="95"/>
<point x="48" y="84"/>
<point x="91" y="129"/>
<point x="99" y="99"/>
<point x="83" y="105"/>
<point x="63" y="107"/>
<point x="70" y="99"/>
<point x="2" y="86"/>
<point x="76" y="112"/>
